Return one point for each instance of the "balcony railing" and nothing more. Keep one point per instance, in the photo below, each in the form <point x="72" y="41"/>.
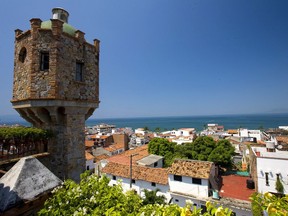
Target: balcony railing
<point x="15" y="148"/>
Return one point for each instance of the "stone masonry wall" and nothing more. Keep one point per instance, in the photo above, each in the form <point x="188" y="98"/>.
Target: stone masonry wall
<point x="59" y="82"/>
<point x="21" y="85"/>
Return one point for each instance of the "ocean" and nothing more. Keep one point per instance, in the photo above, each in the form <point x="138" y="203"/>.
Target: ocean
<point x="251" y="121"/>
<point x="255" y="121"/>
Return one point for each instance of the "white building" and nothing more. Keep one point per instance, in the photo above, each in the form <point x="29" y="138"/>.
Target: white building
<point x="283" y="127"/>
<point x="269" y="164"/>
<point x="250" y="135"/>
<point x="89" y="161"/>
<point x="184" y="180"/>
<point x="140" y="131"/>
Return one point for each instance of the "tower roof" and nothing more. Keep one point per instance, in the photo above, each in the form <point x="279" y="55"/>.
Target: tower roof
<point x="66" y="27"/>
<point x="61" y="14"/>
<point x="27" y="179"/>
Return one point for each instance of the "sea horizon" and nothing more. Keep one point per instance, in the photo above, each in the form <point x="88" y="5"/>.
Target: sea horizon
<point x="229" y="121"/>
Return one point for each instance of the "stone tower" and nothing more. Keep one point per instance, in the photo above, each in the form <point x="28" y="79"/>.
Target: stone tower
<point x="56" y="87"/>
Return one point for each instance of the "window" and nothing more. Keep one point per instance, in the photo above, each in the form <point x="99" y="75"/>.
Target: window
<point x="155" y="164"/>
<point x="176" y="200"/>
<point x="114" y="177"/>
<point x="79" y="71"/>
<point x="22" y="54"/>
<point x="133" y="181"/>
<point x="196" y="181"/>
<point x="177" y="178"/>
<point x="267" y="178"/>
<point x="153" y="184"/>
<point x="44" y="61"/>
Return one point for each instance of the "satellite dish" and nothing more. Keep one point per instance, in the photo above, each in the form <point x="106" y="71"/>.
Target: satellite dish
<point x="279" y="147"/>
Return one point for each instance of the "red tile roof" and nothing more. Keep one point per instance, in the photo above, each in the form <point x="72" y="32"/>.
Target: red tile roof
<point x="89" y="143"/>
<point x="101" y="157"/>
<point x="193" y="168"/>
<point x="89" y="156"/>
<point x="114" y="147"/>
<point x="124" y="158"/>
<point x="234" y="186"/>
<point x="157" y="175"/>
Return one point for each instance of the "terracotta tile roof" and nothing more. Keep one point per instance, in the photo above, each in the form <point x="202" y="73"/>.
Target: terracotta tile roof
<point x="89" y="156"/>
<point x="101" y="157"/>
<point x="232" y="131"/>
<point x="157" y="175"/>
<point x="124" y="158"/>
<point x="192" y="168"/>
<point x="283" y="139"/>
<point x="114" y="147"/>
<point x="89" y="143"/>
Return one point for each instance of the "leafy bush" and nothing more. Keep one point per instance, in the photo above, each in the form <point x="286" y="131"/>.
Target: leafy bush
<point x="270" y="203"/>
<point x="94" y="196"/>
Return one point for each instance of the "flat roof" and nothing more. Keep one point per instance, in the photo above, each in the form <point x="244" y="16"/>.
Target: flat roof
<point x="235" y="186"/>
<point x="150" y="159"/>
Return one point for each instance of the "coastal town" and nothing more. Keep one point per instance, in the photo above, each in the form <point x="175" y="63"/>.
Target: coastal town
<point x="60" y="166"/>
<point x="261" y="156"/>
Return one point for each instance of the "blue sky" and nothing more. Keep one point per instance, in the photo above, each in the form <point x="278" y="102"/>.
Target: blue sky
<point x="171" y="57"/>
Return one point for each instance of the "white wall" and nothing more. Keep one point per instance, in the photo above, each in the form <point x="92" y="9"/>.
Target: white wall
<point x="91" y="164"/>
<point x="272" y="166"/>
<point x="140" y="185"/>
<point x="187" y="187"/>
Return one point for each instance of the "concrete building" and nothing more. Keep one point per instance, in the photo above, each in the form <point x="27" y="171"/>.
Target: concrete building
<point x="268" y="165"/>
<point x="184" y="180"/>
<point x="56" y="87"/>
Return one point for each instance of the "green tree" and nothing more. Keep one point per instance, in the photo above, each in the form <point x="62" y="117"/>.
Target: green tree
<point x="163" y="147"/>
<point x="157" y="129"/>
<point x="146" y="128"/>
<point x="151" y="197"/>
<point x="278" y="185"/>
<point x="160" y="146"/>
<point x="202" y="148"/>
<point x="222" y="153"/>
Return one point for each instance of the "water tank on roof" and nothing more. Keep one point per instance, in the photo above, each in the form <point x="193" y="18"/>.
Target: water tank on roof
<point x="250" y="184"/>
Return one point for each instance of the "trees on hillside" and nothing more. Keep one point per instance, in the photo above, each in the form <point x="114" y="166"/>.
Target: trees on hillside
<point x="203" y="148"/>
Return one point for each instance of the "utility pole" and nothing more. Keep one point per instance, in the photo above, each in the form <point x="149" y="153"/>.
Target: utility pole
<point x="131" y="156"/>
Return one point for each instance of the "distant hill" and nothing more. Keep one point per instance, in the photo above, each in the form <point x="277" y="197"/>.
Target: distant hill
<point x="12" y="119"/>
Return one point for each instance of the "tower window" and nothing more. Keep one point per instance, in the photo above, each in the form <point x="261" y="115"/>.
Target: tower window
<point x="44" y="61"/>
<point x="22" y="54"/>
<point x="79" y="71"/>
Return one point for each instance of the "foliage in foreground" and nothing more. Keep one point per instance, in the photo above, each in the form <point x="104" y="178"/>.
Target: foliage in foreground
<point x="270" y="203"/>
<point x="93" y="196"/>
